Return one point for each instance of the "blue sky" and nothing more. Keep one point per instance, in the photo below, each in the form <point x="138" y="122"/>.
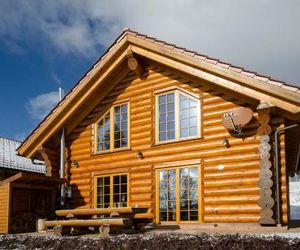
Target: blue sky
<point x="46" y="44"/>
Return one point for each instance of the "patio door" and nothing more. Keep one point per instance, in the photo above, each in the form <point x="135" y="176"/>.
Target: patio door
<point x="178" y="199"/>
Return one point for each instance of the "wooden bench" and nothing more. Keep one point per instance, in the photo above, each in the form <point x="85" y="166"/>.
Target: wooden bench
<point x="104" y="218"/>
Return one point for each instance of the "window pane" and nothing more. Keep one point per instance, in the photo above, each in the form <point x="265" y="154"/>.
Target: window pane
<point x="104" y="133"/>
<point x="162" y="108"/>
<point x="170" y="98"/>
<point x="170" y="126"/>
<point x="162" y="136"/>
<point x="117" y="118"/>
<point x="193" y="122"/>
<point x="171" y="135"/>
<point x="124" y="143"/>
<point x="184" y="114"/>
<point x="124" y="179"/>
<point x="124" y="108"/>
<point x="184" y="123"/>
<point x="162" y="117"/>
<point x="184" y="132"/>
<point x="124" y="125"/>
<point x="117" y="109"/>
<point x="171" y="116"/>
<point x="166" y="113"/>
<point x="162" y="99"/>
<point x="189" y="120"/>
<point x="163" y="127"/>
<point x="121" y="126"/>
<point x="193" y="131"/>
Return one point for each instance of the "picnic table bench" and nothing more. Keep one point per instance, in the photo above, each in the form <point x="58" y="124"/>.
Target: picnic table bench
<point x="103" y="218"/>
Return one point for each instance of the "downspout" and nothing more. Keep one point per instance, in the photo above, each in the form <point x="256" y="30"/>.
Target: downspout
<point x="62" y="156"/>
<point x="278" y="189"/>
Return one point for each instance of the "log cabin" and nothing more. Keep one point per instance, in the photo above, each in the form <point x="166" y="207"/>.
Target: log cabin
<point x="156" y="125"/>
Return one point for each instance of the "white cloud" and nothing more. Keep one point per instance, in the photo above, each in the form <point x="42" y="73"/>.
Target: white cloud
<point x="262" y="35"/>
<point x="38" y="107"/>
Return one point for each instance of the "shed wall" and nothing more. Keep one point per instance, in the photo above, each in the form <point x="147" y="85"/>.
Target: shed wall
<point x="4" y="207"/>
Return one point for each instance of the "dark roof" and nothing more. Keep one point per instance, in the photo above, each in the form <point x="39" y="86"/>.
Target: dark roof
<point x="10" y="159"/>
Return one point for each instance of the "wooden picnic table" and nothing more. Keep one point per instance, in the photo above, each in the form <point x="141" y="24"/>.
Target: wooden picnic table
<point x="101" y="211"/>
<point x="91" y="217"/>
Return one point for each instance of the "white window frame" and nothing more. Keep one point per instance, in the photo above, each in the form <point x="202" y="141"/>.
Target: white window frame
<point x="176" y="92"/>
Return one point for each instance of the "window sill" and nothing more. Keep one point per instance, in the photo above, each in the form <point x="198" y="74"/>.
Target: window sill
<point x="111" y="151"/>
<point x="177" y="141"/>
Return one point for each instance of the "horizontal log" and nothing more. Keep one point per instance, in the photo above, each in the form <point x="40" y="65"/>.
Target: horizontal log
<point x="141" y="197"/>
<point x="231" y="191"/>
<point x="94" y="164"/>
<point x="232" y="166"/>
<point x="141" y="189"/>
<point x="141" y="182"/>
<point x="101" y="211"/>
<point x="232" y="209"/>
<point x="231" y="158"/>
<point x="231" y="182"/>
<point x="240" y="199"/>
<point x="224" y="174"/>
<point x="141" y="168"/>
<point x="142" y="175"/>
<point x="237" y="218"/>
<point x="89" y="223"/>
<point x="218" y="106"/>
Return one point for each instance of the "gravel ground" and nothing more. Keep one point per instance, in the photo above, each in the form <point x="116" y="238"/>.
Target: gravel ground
<point x="163" y="241"/>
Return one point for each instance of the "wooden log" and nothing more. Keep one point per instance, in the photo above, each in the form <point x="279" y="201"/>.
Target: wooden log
<point x="134" y="64"/>
<point x="231" y="218"/>
<point x="264" y="130"/>
<point x="89" y="222"/>
<point x="60" y="230"/>
<point x="104" y="230"/>
<point x="232" y="209"/>
<point x="100" y="211"/>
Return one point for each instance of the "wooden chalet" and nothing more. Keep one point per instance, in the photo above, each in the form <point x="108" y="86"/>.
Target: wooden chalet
<point x="145" y="127"/>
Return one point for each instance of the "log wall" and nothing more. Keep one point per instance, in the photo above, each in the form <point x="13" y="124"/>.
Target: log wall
<point x="228" y="195"/>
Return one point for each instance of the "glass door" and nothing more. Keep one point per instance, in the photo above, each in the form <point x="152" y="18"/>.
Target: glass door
<point x="167" y="195"/>
<point x="178" y="194"/>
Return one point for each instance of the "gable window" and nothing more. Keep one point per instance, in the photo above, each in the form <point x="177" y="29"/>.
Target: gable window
<point x="111" y="191"/>
<point x="178" y="116"/>
<point x="112" y="129"/>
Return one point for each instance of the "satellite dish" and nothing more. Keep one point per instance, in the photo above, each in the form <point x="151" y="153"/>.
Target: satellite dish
<point x="236" y="119"/>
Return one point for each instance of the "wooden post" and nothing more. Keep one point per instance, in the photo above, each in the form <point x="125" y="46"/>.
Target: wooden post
<point x="266" y="201"/>
<point x="49" y="168"/>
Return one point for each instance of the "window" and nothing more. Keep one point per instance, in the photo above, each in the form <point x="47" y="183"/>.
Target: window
<point x="178" y="116"/>
<point x="111" y="191"/>
<point x="112" y="129"/>
<point x="178" y="194"/>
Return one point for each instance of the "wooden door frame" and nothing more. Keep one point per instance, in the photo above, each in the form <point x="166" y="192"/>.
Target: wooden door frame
<point x="178" y="165"/>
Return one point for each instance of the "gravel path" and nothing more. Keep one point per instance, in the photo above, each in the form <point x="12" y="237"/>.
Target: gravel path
<point x="157" y="241"/>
